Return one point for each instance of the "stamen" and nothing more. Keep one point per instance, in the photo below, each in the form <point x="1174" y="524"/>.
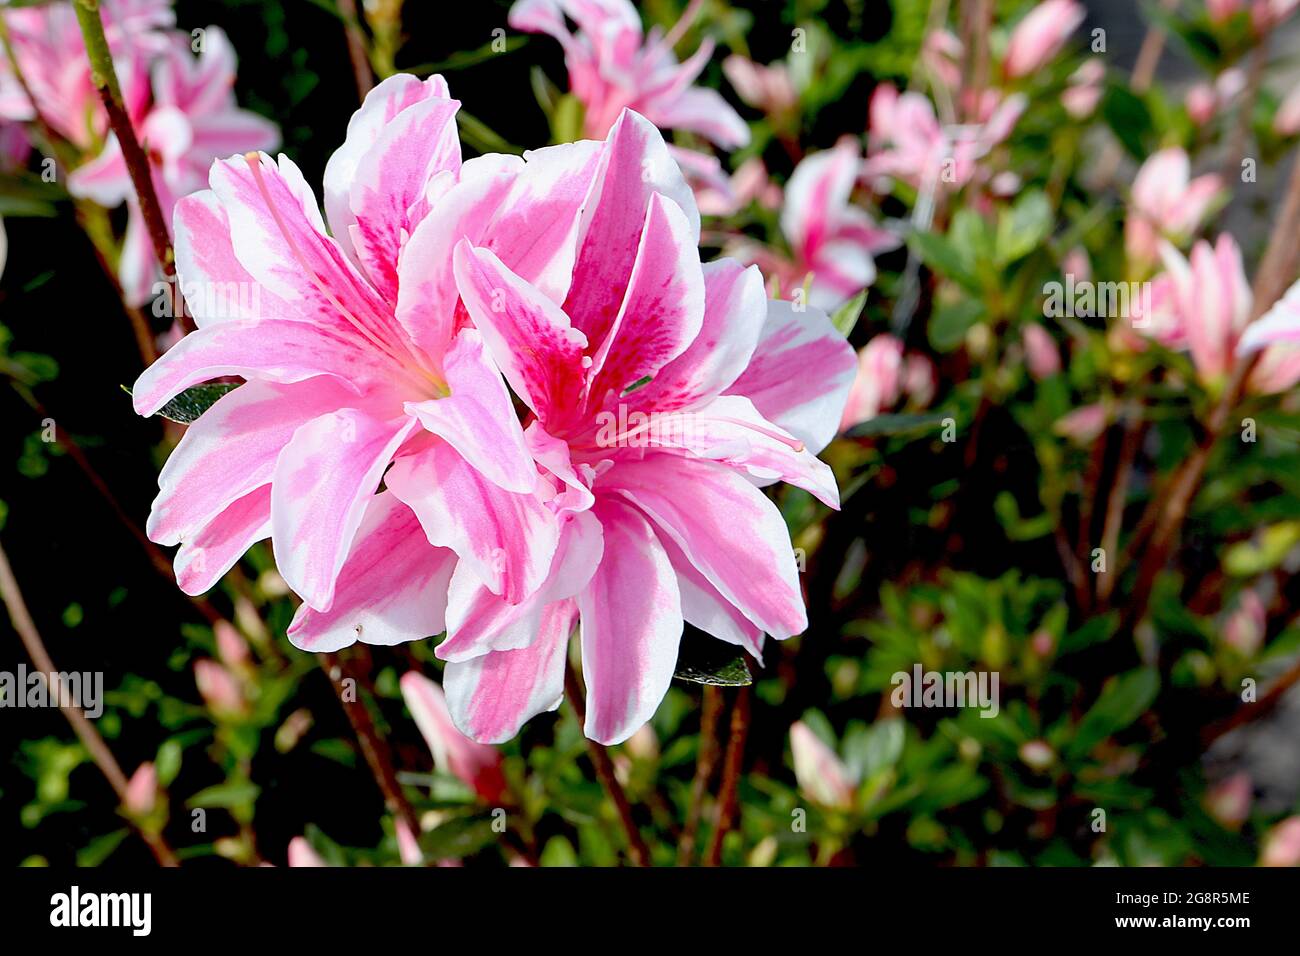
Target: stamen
<point x="793" y="444"/>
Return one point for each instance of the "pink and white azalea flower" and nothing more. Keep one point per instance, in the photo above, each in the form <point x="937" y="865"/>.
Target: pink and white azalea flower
<point x="908" y="143"/>
<point x="765" y="87"/>
<point x="614" y="66"/>
<point x="822" y="776"/>
<point x="191" y="121"/>
<point x="476" y="765"/>
<point x="1166" y="202"/>
<point x="885" y="376"/>
<point x="356" y="359"/>
<point x="1038" y="38"/>
<point x="662" y="396"/>
<point x="1081" y="96"/>
<point x="1203" y="304"/>
<point x="301" y="854"/>
<point x="833" y="243"/>
<point x="1286" y="121"/>
<point x="51" y="55"/>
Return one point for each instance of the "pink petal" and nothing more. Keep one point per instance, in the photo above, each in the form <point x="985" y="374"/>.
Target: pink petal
<point x="728" y="529"/>
<point x="505" y="539"/>
<point x="705" y="608"/>
<point x="634" y="165"/>
<point x="381" y="106"/>
<point x="808" y="405"/>
<point x="631" y="627"/>
<point x="490" y="697"/>
<point x="232" y="450"/>
<point x="662" y="310"/>
<point x="216" y="546"/>
<point x="324" y="479"/>
<point x="478" y="417"/>
<point x="479" y="621"/>
<point x="702" y="111"/>
<point x="391" y="589"/>
<point x="529" y="336"/>
<point x="271" y="350"/>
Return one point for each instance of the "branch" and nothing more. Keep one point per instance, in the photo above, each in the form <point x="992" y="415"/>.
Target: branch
<point x="81" y="725"/>
<point x="706" y="761"/>
<point x="728" y="794"/>
<point x="637" y="850"/>
<point x="104" y="77"/>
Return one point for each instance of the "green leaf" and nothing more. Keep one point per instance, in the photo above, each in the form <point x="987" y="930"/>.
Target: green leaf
<point x="1124" y="699"/>
<point x="950" y="323"/>
<point x="458" y="838"/>
<point x="846" y="316"/>
<point x="899" y="424"/>
<point x="703" y="660"/>
<point x="1129" y="119"/>
<point x="1023" y="227"/>
<point x="193" y="402"/>
<point x="101" y="848"/>
<point x="943" y="256"/>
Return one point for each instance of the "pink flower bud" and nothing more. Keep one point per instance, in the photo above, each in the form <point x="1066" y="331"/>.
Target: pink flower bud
<point x="822" y="776"/>
<point x="1286" y="121"/>
<point x="1228" y="801"/>
<point x="231" y="646"/>
<point x="1201" y="103"/>
<point x="1040" y="35"/>
<point x="1282" y="844"/>
<point x="1244" y="630"/>
<point x="1041" y="354"/>
<point x="142" y="790"/>
<point x="477" y="765"/>
<point x="1083" y="425"/>
<point x="408" y="847"/>
<point x="301" y="853"/>
<point x="1037" y="754"/>
<point x="1221" y="11"/>
<point x="219" y="688"/>
<point x="876" y="387"/>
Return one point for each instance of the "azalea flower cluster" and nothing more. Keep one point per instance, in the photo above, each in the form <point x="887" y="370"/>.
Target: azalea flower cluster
<point x="424" y="431"/>
<point x="178" y="91"/>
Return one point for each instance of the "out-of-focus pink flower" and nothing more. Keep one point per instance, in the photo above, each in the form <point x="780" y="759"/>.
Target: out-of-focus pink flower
<point x="613" y="66"/>
<point x="52" y="58"/>
<point x="908" y="143"/>
<point x="142" y="790"/>
<point x="1244" y="629"/>
<point x="218" y="687"/>
<point x="476" y="765"/>
<point x="1277" y="334"/>
<point x="831" y="240"/>
<point x="1281" y="845"/>
<point x="191" y="121"/>
<point x="1077" y="264"/>
<point x="1041" y="352"/>
<point x="355" y="358"/>
<point x="1204" y="100"/>
<point x="1229" y="800"/>
<point x="231" y="646"/>
<point x="941" y="53"/>
<point x="1221" y="11"/>
<point x="662" y="392"/>
<point x="886" y="375"/>
<point x="1266" y="15"/>
<point x="1166" y="202"/>
<point x="1083" y="425"/>
<point x="822" y="776"/>
<point x="301" y="853"/>
<point x="1201" y="103"/>
<point x="1286" y="121"/>
<point x="1040" y="35"/>
<point x="1083" y="93"/>
<point x="1203" y="305"/>
<point x="768" y="88"/>
<point x="718" y="194"/>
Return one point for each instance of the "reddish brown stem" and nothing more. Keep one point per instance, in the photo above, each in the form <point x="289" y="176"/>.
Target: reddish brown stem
<point x="729" y="793"/>
<point x="637" y="851"/>
<point x="361" y="71"/>
<point x="705" y="762"/>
